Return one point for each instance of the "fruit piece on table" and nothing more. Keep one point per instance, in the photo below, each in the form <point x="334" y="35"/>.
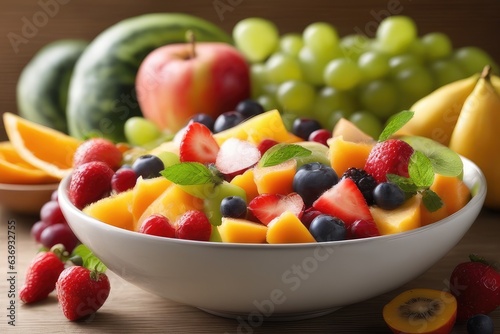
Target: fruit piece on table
<point x="89" y="183"/>
<point x="277" y="179"/>
<point x="47" y="149"/>
<point x="269" y="206"/>
<point x="99" y="103"/>
<point x="475" y="134"/>
<point x="344" y="154"/>
<point x="388" y="157"/>
<point x="423" y="311"/>
<point x="42" y="87"/>
<point x="404" y="218"/>
<point x="114" y="210"/>
<point x="145" y="192"/>
<point x="476" y="285"/>
<point x="14" y="170"/>
<point x="287" y="228"/>
<point x="241" y="231"/>
<point x="59" y="234"/>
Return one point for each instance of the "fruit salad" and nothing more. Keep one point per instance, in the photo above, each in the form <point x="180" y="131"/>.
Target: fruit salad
<point x="256" y="182"/>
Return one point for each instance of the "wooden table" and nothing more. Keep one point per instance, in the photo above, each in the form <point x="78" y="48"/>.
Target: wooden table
<point x="131" y="310"/>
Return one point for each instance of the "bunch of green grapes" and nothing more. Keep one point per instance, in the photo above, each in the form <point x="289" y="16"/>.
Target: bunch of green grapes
<point x="317" y="73"/>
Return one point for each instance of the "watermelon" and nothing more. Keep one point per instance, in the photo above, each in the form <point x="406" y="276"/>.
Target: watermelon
<point x="102" y="89"/>
<point x="42" y="88"/>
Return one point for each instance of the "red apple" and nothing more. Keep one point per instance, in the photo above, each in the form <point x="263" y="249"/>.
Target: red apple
<point x="177" y="81"/>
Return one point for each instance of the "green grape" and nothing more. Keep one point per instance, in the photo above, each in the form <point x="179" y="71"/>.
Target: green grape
<point x="380" y="97"/>
<point x="437" y="45"/>
<point x="354" y="45"/>
<point x="313" y="65"/>
<point x="367" y="122"/>
<point x="415" y="81"/>
<point x="342" y="73"/>
<point x="373" y="65"/>
<point x="417" y="49"/>
<point x="472" y="60"/>
<point x="320" y="37"/>
<point x="296" y="96"/>
<point x="268" y="102"/>
<point x="288" y="119"/>
<point x="329" y="99"/>
<point x="169" y="158"/>
<point x="395" y="34"/>
<point x="256" y="38"/>
<point x="397" y="63"/>
<point x="445" y="71"/>
<point x="258" y="78"/>
<point x="291" y="44"/>
<point x="140" y="131"/>
<point x="281" y="68"/>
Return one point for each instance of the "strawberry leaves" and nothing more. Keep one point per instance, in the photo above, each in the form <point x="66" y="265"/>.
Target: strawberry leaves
<point x="84" y="257"/>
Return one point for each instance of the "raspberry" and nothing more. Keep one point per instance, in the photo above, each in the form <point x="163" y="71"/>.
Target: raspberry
<point x="98" y="149"/>
<point x="194" y="225"/>
<point x="365" y="182"/>
<point x="89" y="183"/>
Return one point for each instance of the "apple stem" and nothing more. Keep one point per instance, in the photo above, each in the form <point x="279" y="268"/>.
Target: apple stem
<point x="192" y="41"/>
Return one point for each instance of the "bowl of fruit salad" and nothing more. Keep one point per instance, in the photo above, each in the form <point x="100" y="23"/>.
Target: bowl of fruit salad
<point x="255" y="222"/>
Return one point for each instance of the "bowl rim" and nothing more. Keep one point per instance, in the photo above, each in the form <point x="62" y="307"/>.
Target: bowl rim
<point x="477" y="199"/>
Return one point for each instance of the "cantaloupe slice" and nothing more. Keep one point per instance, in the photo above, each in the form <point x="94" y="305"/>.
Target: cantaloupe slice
<point x="241" y="231"/>
<point x="344" y="154"/>
<point x="145" y="192"/>
<point x="276" y="179"/>
<point x="404" y="218"/>
<point x="350" y="132"/>
<point x="287" y="228"/>
<point x="113" y="210"/>
<point x="246" y="182"/>
<point x="453" y="192"/>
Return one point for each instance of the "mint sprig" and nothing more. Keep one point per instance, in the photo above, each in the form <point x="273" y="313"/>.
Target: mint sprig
<point x="83" y="256"/>
<point x="395" y="123"/>
<point x="191" y="173"/>
<point x="283" y="152"/>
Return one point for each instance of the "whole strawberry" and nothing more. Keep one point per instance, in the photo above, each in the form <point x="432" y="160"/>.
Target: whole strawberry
<point x="41" y="277"/>
<point x="90" y="182"/>
<point x="476" y="286"/>
<point x="81" y="291"/>
<point x="388" y="157"/>
<point x="98" y="149"/>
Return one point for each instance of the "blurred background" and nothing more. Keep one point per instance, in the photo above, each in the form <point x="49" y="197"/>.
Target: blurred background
<point x="466" y="22"/>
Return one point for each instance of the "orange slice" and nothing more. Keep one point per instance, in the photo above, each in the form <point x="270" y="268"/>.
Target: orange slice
<point x="14" y="170"/>
<point x="47" y="149"/>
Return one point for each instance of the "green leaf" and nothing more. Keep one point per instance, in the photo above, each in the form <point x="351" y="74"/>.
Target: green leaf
<point x="420" y="170"/>
<point x="444" y="160"/>
<point x="188" y="173"/>
<point x="90" y="261"/>
<point x="406" y="184"/>
<point x="283" y="152"/>
<point x="431" y="200"/>
<point x="395" y="123"/>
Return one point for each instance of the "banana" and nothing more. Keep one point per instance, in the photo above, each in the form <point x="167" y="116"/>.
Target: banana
<point x="436" y="114"/>
<point x="476" y="133"/>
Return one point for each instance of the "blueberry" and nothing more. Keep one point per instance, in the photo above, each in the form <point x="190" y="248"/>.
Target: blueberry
<point x="204" y="119"/>
<point x="388" y="196"/>
<point x="148" y="166"/>
<point x="480" y="324"/>
<point x="303" y="127"/>
<point x="234" y="207"/>
<point x="227" y="120"/>
<point x="327" y="228"/>
<point x="312" y="179"/>
<point x="249" y="108"/>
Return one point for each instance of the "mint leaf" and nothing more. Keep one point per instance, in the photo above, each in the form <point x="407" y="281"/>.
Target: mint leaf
<point x="89" y="260"/>
<point x="395" y="123"/>
<point x="189" y="173"/>
<point x="431" y="200"/>
<point x="282" y="152"/>
<point x="406" y="184"/>
<point x="420" y="170"/>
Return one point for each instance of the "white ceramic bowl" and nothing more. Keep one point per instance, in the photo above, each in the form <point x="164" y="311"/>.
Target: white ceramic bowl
<point x="279" y="281"/>
<point x="25" y="198"/>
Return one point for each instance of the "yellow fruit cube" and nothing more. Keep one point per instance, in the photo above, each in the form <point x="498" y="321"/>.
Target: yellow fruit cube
<point x="287" y="228"/>
<point x="404" y="218"/>
<point x="145" y="192"/>
<point x="113" y="210"/>
<point x="344" y="154"/>
<point x="241" y="231"/>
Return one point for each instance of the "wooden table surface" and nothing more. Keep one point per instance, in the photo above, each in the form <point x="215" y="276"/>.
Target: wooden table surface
<point x="131" y="310"/>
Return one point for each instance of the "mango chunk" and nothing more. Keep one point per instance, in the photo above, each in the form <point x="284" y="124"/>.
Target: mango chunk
<point x="247" y="183"/>
<point x="241" y="231"/>
<point x="344" y="154"/>
<point x="276" y="179"/>
<point x="145" y="192"/>
<point x="453" y="192"/>
<point x="404" y="218"/>
<point x="113" y="210"/>
<point x="287" y="228"/>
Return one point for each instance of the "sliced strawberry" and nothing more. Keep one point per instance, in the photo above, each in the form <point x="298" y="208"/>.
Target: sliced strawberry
<point x="345" y="201"/>
<point x="198" y="144"/>
<point x="266" y="207"/>
<point x="235" y="156"/>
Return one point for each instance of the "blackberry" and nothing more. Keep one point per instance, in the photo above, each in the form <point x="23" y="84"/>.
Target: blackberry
<point x="365" y="182"/>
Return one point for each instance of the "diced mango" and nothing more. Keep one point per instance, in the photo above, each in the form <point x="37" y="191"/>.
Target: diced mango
<point x="241" y="231"/>
<point x="247" y="183"/>
<point x="404" y="218"/>
<point x="145" y="192"/>
<point x="344" y="154"/>
<point x="276" y="179"/>
<point x="287" y="228"/>
<point x="350" y="132"/>
<point x="453" y="192"/>
<point x="113" y="210"/>
<point x="427" y="217"/>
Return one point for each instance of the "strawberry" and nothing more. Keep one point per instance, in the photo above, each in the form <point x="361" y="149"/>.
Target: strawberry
<point x="98" y="149"/>
<point x="266" y="207"/>
<point x="388" y="157"/>
<point x="476" y="286"/>
<point x="158" y="225"/>
<point x="41" y="277"/>
<point x="89" y="183"/>
<point x="198" y="144"/>
<point x="344" y="201"/>
<point x="194" y="225"/>
<point x="81" y="291"/>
